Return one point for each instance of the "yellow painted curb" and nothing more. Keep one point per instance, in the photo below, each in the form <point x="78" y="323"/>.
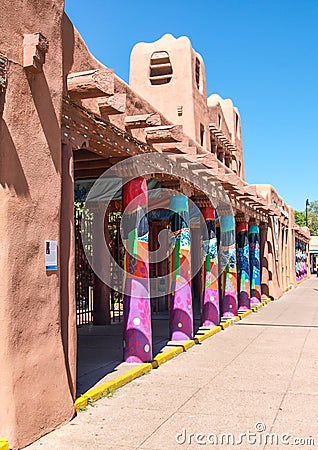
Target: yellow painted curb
<point x="245" y="313"/>
<point x="166" y="356"/>
<point x="225" y="324"/>
<point x="184" y="344"/>
<point x="198" y="338"/>
<point x="188" y="344"/>
<point x="109" y="387"/>
<point x="112" y="385"/>
<point x="257" y="307"/>
<point x="81" y="403"/>
<point x="4" y="444"/>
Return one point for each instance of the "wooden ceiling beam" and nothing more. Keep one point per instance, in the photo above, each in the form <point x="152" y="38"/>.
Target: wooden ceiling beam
<point x="91" y="84"/>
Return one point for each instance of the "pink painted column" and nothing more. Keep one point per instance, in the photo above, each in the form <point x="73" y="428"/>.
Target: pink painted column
<point x="210" y="301"/>
<point x="181" y="313"/>
<point x="137" y="311"/>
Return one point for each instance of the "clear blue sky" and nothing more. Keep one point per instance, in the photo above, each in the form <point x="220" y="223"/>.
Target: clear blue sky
<point x="262" y="54"/>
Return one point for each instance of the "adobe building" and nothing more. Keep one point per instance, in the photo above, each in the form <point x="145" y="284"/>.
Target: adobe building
<point x="313" y="250"/>
<point x="65" y="119"/>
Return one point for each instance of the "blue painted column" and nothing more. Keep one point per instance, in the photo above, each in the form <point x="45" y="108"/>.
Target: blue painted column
<point x="229" y="303"/>
<point x="181" y="312"/>
<point x="254" y="241"/>
<point x="243" y="269"/>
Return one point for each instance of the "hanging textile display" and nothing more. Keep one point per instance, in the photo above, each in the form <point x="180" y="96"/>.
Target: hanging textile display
<point x="210" y="297"/>
<point x="253" y="233"/>
<point x="301" y="260"/>
<point x="243" y="266"/>
<point x="181" y="313"/>
<point x="137" y="311"/>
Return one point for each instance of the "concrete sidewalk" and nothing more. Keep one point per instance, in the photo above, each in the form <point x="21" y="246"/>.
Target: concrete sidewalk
<point x="100" y="351"/>
<point x="262" y="372"/>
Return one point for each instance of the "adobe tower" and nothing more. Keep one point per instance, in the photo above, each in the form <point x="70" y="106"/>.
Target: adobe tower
<point x="171" y="76"/>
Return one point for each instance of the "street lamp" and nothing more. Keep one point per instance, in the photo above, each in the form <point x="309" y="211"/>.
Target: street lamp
<point x="307" y="204"/>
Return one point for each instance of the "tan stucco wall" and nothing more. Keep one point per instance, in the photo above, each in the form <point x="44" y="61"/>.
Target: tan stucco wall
<point x="37" y="385"/>
<point x="281" y="269"/>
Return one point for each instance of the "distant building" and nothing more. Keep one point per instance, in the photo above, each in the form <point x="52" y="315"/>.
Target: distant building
<point x="313" y="250"/>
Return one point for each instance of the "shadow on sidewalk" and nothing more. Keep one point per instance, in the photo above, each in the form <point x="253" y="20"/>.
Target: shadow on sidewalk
<point x="100" y="351"/>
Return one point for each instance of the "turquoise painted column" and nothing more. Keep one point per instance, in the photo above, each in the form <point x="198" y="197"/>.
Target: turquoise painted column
<point x="243" y="260"/>
<point x="137" y="311"/>
<point x="181" y="312"/>
<point x="229" y="303"/>
<point x="254" y="241"/>
<point x="210" y="301"/>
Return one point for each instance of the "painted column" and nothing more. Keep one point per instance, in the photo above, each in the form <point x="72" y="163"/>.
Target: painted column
<point x="264" y="259"/>
<point x="210" y="298"/>
<point x="101" y="292"/>
<point x="254" y="240"/>
<point x="229" y="304"/>
<point x="181" y="313"/>
<point x="137" y="311"/>
<point x="243" y="263"/>
<point x="297" y="259"/>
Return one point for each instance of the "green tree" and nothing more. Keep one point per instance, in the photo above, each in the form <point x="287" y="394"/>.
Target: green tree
<point x="312" y="211"/>
<point x="300" y="218"/>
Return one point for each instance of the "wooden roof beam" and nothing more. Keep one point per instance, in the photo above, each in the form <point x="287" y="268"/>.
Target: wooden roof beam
<point x="91" y="84"/>
<point x="143" y="120"/>
<point x="103" y="164"/>
<point x="86" y="155"/>
<point x="115" y="104"/>
<point x="164" y="134"/>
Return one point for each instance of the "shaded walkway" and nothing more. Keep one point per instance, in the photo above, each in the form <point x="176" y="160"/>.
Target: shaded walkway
<point x="262" y="370"/>
<point x="100" y="351"/>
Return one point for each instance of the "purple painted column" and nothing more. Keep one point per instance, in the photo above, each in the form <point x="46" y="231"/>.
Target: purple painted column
<point x="137" y="311"/>
<point x="181" y="313"/>
<point x="229" y="304"/>
<point x="243" y="260"/>
<point x="253" y="235"/>
<point x="210" y="301"/>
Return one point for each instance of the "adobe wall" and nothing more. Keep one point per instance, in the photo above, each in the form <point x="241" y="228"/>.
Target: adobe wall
<point x="279" y="251"/>
<point x="37" y="377"/>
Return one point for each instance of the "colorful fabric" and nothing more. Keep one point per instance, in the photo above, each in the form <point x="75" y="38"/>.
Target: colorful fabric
<point x="301" y="260"/>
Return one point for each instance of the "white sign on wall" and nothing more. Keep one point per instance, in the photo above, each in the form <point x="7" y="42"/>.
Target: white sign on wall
<point x="50" y="255"/>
